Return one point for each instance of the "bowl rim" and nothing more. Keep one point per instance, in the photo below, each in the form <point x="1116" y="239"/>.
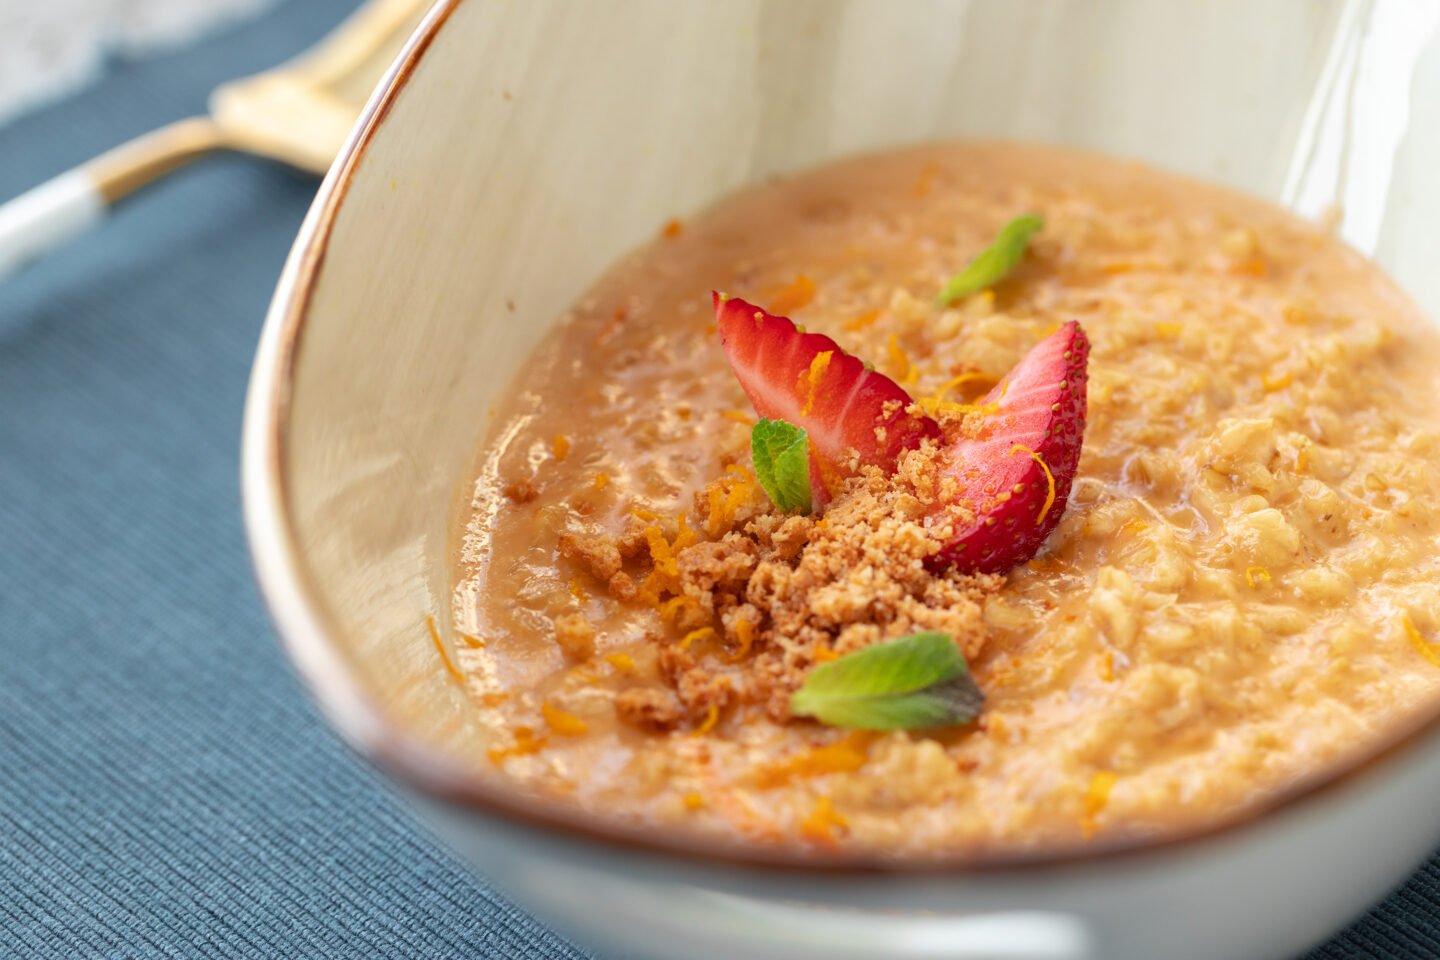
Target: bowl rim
<point x="305" y="626"/>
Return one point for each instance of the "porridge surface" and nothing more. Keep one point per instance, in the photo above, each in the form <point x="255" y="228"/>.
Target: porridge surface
<point x="1243" y="587"/>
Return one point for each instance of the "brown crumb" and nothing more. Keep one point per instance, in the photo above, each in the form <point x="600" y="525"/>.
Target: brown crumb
<point x="649" y="708"/>
<point x="521" y="491"/>
<point x="576" y="635"/>
<point x="753" y="608"/>
<point x="597" y="554"/>
<point x="622" y="586"/>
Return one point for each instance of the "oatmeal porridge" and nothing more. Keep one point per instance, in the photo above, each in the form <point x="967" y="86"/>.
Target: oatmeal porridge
<point x="1158" y="476"/>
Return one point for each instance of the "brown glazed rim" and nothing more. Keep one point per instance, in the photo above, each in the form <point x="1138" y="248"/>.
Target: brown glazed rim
<point x="306" y="626"/>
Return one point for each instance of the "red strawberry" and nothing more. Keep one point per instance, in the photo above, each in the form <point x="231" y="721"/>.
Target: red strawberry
<point x="1003" y="473"/>
<point x="807" y="379"/>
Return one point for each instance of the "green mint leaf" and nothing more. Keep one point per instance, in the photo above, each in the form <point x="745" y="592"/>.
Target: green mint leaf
<point x="995" y="262"/>
<point x="907" y="684"/>
<point x="782" y="463"/>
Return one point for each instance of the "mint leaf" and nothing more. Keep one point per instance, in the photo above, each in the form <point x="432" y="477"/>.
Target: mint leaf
<point x="907" y="684"/>
<point x="782" y="463"/>
<point x="995" y="262"/>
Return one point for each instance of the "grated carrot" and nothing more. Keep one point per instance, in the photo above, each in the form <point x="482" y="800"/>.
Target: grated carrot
<point x="739" y="416"/>
<point x="810" y="380"/>
<point x="1256" y="576"/>
<point x="577" y="591"/>
<point x="562" y="722"/>
<point x="601" y="481"/>
<point x="474" y="643"/>
<point x="560" y="447"/>
<point x="493" y="699"/>
<point x="794" y="295"/>
<point x="450" y="667"/>
<point x="1425" y="648"/>
<point x="1107" y="666"/>
<point x="1169" y="329"/>
<point x="823" y="653"/>
<point x="1049" y="478"/>
<point x="693" y="801"/>
<point x="1302" y="460"/>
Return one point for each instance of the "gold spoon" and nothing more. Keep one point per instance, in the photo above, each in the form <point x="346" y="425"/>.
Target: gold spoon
<point x="298" y="113"/>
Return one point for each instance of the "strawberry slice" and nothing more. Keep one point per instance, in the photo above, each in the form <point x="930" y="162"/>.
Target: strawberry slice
<point x="807" y="379"/>
<point x="1015" y="477"/>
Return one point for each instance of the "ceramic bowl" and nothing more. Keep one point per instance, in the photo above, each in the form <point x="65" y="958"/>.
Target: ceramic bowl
<point x="517" y="149"/>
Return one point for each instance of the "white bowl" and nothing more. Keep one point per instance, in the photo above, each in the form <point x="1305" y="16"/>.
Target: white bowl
<point x="517" y="149"/>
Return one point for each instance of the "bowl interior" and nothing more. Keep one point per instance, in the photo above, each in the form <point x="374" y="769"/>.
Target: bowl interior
<point x="525" y="146"/>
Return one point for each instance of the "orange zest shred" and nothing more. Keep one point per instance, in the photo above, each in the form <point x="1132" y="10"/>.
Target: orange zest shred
<point x="823" y="653"/>
<point x="525" y="743"/>
<point x="822" y="822"/>
<point x="493" y="699"/>
<point x="845" y="755"/>
<point x="810" y="379"/>
<point x="1169" y="329"/>
<point x="692" y="801"/>
<point x="562" y="722"/>
<point x="1134" y="526"/>
<point x="744" y="639"/>
<point x="1425" y="648"/>
<point x="474" y="643"/>
<point x="711" y="718"/>
<point x="577" y="590"/>
<point x="1256" y="576"/>
<point x="725" y="496"/>
<point x="1302" y="460"/>
<point x="560" y="447"/>
<point x="1271" y="384"/>
<point x="450" y="667"/>
<point x="739" y="416"/>
<point x="1096" y="796"/>
<point x="1107" y="666"/>
<point x="862" y="321"/>
<point x="905" y="372"/>
<point x="700" y="633"/>
<point x="1249" y="267"/>
<point x="672" y="229"/>
<point x="794" y="295"/>
<point x="670" y="609"/>
<point x="601" y="481"/>
<point x="621" y="661"/>
<point x="1049" y="479"/>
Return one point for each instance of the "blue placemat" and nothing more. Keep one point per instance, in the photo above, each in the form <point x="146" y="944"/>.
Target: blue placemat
<point x="166" y="789"/>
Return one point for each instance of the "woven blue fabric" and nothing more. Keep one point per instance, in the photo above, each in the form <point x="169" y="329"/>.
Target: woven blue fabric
<point x="166" y="790"/>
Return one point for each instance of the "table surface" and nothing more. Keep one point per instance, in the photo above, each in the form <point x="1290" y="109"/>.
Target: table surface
<point x="166" y="788"/>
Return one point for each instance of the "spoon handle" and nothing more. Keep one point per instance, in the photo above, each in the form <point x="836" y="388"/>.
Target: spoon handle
<point x="57" y="211"/>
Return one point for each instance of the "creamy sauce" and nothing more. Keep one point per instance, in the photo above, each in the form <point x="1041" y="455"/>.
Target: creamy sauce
<point x="1242" y="590"/>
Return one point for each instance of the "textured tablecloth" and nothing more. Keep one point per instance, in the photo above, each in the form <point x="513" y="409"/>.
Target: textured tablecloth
<point x="166" y="789"/>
